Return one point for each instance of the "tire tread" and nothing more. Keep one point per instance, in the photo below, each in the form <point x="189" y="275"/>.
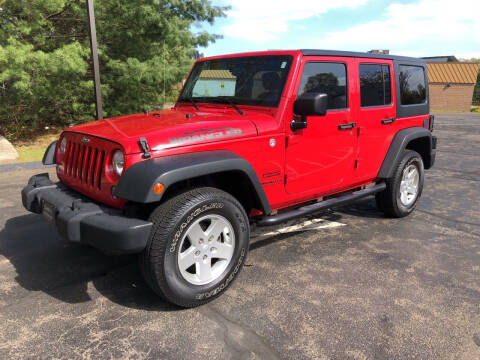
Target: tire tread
<point x="387" y="200"/>
<point x="164" y="218"/>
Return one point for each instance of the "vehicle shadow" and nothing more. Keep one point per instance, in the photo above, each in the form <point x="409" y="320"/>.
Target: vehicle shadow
<point x="364" y="208"/>
<point x="45" y="262"/>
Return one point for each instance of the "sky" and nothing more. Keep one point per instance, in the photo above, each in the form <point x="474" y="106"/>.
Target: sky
<point x="410" y="27"/>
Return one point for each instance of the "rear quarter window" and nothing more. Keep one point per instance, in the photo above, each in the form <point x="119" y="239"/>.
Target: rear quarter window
<point x="412" y="85"/>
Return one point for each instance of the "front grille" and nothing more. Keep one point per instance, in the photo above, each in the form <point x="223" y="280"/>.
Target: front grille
<point x="84" y="163"/>
<point x="84" y="166"/>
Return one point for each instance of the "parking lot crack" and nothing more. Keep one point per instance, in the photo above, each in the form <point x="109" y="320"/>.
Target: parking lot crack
<point x="448" y="219"/>
<point x="241" y="341"/>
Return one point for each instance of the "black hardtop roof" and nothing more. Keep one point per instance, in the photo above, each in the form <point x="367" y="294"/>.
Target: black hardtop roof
<point x="314" y="52"/>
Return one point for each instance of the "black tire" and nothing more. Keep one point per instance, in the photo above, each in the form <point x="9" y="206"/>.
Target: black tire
<point x="388" y="200"/>
<point x="171" y="221"/>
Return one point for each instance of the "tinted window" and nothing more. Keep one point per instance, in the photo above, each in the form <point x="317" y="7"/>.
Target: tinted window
<point x="412" y="85"/>
<point x="375" y="85"/>
<point x="253" y="80"/>
<point x="326" y="78"/>
<point x="387" y="82"/>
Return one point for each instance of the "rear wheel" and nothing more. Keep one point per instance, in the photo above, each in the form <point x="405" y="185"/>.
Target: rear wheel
<point x="197" y="246"/>
<point x="404" y="188"/>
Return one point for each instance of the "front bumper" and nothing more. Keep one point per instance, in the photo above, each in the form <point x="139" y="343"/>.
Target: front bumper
<point x="80" y="219"/>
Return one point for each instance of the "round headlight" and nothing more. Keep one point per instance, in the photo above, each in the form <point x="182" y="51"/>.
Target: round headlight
<point x="63" y="145"/>
<point x="118" y="162"/>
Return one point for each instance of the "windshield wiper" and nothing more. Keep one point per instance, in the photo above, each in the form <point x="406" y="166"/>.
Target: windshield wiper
<point x="223" y="100"/>
<point x="192" y="101"/>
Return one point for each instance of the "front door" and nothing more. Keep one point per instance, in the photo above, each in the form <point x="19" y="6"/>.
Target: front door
<point x="320" y="158"/>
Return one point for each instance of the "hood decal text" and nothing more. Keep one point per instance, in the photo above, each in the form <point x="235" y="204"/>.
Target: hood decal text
<point x="205" y="134"/>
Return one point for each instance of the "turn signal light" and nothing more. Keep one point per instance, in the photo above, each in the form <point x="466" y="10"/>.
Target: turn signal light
<point x="158" y="188"/>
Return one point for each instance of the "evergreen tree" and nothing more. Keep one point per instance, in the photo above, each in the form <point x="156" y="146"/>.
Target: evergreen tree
<point x="45" y="65"/>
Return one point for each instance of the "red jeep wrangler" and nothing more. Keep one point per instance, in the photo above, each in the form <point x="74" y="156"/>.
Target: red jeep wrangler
<point x="254" y="138"/>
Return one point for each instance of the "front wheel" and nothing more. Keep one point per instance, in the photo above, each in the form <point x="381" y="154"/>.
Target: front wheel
<point x="198" y="244"/>
<point x="404" y="188"/>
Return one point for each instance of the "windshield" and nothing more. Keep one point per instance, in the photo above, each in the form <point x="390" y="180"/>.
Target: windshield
<point x="253" y="80"/>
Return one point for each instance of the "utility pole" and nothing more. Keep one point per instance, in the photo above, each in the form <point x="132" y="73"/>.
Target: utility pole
<point x="164" y="75"/>
<point x="94" y="50"/>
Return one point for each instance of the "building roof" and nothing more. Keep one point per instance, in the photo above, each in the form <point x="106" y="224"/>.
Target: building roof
<point x="216" y="74"/>
<point x="454" y="73"/>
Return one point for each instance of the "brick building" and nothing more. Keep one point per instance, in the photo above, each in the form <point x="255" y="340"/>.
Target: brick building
<point x="451" y="84"/>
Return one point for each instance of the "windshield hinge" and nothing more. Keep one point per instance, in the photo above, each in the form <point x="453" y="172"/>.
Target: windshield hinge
<point x="142" y="142"/>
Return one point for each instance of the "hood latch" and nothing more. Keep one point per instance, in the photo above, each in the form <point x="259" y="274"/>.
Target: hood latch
<point x="142" y="142"/>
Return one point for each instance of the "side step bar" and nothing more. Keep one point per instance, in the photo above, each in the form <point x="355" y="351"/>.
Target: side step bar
<point x="310" y="209"/>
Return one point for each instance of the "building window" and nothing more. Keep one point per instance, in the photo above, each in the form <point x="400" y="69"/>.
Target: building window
<point x="326" y="78"/>
<point x="412" y="85"/>
<point x="375" y="85"/>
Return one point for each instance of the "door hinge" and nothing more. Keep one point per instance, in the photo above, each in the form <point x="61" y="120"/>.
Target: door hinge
<point x="358" y="131"/>
<point x="356" y="164"/>
<point x="298" y="125"/>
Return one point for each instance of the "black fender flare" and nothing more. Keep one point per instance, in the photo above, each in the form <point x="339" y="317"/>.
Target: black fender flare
<point x="50" y="155"/>
<point x="399" y="144"/>
<point x="136" y="184"/>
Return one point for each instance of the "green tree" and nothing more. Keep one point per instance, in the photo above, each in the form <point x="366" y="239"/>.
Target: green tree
<point x="476" y="90"/>
<point x="145" y="46"/>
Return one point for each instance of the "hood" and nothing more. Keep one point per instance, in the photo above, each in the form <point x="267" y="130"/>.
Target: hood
<point x="173" y="128"/>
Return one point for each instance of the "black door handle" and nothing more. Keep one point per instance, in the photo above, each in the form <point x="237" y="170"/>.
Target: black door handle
<point x="388" y="121"/>
<point x="346" y="126"/>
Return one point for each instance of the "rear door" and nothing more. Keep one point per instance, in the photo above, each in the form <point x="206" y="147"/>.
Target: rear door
<point x="376" y="116"/>
<point x="320" y="158"/>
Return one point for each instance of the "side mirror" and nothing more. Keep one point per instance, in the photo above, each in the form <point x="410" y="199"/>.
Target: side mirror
<point x="308" y="104"/>
<point x="311" y="104"/>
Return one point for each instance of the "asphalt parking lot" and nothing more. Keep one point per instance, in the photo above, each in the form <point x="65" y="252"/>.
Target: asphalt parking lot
<point x="348" y="285"/>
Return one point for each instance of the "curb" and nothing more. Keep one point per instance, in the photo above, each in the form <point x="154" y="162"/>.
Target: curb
<point x="24" y="166"/>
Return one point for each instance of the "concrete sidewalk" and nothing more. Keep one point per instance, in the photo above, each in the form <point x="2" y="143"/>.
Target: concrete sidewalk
<point x="7" y="151"/>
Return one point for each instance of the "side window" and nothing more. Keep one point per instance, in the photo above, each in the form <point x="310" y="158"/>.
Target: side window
<point x="375" y="85"/>
<point x="327" y="78"/>
<point x="412" y="85"/>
